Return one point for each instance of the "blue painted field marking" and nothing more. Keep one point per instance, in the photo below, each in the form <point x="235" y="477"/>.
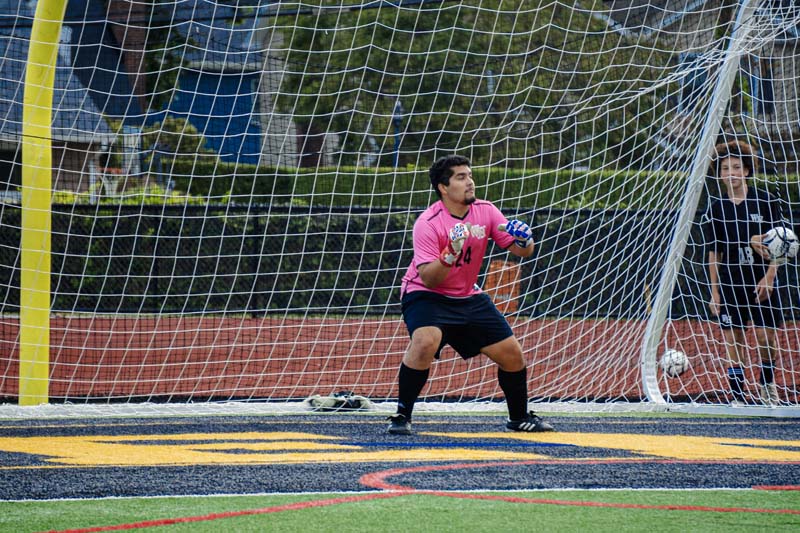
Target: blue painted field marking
<point x="459" y="444"/>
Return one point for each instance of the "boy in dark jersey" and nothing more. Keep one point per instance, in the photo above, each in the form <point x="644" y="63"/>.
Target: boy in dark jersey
<point x="740" y="271"/>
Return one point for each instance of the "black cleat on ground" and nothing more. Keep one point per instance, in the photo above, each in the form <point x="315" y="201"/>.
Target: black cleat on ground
<point x="399" y="425"/>
<point x="531" y="424"/>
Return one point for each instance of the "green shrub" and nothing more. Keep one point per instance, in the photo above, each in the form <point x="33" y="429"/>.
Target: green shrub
<point x="152" y="194"/>
<point x="409" y="186"/>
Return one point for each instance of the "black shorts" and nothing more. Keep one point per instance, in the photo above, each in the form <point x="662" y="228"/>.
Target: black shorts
<point x="738" y="306"/>
<point x="468" y="324"/>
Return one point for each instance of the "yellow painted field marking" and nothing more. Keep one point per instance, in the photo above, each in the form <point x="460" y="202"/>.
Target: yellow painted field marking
<point x="227" y="448"/>
<point x="297" y="447"/>
<point x="684" y="447"/>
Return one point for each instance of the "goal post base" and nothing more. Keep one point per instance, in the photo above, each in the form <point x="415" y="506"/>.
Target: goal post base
<point x="211" y="409"/>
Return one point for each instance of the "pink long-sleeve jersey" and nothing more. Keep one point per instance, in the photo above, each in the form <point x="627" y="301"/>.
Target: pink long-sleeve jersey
<point x="431" y="232"/>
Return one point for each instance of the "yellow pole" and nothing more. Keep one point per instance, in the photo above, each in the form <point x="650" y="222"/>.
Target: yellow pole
<point x="34" y="316"/>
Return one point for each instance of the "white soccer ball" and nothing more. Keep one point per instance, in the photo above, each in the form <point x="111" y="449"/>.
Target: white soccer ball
<point x="674" y="363"/>
<point x="782" y="244"/>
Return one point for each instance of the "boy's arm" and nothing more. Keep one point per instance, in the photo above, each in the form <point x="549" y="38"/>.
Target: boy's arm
<point x="713" y="277"/>
<point x="767" y="284"/>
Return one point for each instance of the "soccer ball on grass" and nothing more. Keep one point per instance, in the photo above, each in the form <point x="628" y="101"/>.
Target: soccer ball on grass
<point x="782" y="244"/>
<point x="674" y="363"/>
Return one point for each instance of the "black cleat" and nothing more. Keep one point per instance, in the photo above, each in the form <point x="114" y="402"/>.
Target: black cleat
<point x="399" y="425"/>
<point x="531" y="424"/>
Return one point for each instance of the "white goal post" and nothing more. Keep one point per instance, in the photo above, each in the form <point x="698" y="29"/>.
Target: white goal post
<point x="210" y="202"/>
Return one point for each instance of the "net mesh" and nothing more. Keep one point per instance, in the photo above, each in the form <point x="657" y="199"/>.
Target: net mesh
<point x="235" y="184"/>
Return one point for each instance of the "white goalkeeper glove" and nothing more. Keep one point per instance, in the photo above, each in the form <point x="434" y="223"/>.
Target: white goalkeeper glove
<point x="456" y="237"/>
<point x="519" y="230"/>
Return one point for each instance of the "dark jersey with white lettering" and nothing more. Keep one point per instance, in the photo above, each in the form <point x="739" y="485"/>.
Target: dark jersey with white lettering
<point x="728" y="227"/>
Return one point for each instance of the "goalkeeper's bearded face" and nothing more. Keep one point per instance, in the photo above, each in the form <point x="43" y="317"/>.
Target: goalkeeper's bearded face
<point x="461" y="187"/>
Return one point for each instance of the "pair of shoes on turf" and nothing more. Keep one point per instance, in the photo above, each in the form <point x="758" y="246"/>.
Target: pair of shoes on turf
<point x="530" y="424"/>
<point x="399" y="425"/>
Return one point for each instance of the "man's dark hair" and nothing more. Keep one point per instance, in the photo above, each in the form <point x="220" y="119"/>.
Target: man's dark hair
<point x="442" y="169"/>
<point x="741" y="150"/>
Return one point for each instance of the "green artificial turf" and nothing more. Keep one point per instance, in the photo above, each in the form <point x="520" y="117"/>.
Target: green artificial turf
<point x="422" y="512"/>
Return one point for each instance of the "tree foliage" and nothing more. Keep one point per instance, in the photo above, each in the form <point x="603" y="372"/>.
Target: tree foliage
<point x="504" y="79"/>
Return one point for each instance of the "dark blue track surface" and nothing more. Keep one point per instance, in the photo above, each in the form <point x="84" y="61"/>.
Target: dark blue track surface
<point x="53" y="464"/>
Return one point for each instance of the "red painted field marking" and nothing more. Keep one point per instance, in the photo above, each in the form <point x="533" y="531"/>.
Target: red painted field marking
<point x="378" y="480"/>
<point x="231" y="514"/>
<point x="543" y="501"/>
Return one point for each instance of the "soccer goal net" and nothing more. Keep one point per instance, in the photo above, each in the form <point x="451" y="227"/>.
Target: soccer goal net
<point x="210" y="201"/>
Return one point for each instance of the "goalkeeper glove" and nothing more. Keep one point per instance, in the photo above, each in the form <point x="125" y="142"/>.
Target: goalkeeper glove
<point x="457" y="235"/>
<point x="520" y="231"/>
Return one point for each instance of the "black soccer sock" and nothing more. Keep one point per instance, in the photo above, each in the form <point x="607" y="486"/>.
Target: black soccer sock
<point x="515" y="387"/>
<point x="411" y="382"/>
<point x="736" y="382"/>
<point x="767" y="372"/>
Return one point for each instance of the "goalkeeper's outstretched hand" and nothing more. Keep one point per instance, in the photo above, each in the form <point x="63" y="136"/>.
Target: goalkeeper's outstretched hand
<point x="519" y="230"/>
<point x="458" y="234"/>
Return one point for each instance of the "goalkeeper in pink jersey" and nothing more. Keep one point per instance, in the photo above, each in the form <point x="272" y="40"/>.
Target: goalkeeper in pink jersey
<point x="442" y="304"/>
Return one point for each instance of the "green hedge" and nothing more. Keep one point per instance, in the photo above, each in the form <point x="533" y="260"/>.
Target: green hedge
<point x="409" y="186"/>
<point x="262" y="259"/>
<point x="214" y="259"/>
